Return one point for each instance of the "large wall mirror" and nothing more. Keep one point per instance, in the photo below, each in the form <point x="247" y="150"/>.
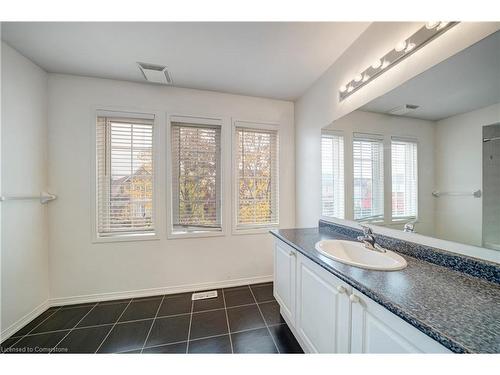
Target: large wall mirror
<point x="425" y="157"/>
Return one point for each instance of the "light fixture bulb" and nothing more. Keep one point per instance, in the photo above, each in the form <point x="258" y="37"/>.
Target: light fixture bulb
<point x="376" y="64"/>
<point x="342" y="89"/>
<point x="442" y="25"/>
<point x="431" y="25"/>
<point x="409" y="47"/>
<point x="358" y="78"/>
<point x="366" y="77"/>
<point x="350" y="88"/>
<point x="385" y="64"/>
<point x="400" y="46"/>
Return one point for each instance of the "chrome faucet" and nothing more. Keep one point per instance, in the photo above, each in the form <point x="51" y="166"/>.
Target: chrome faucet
<point x="368" y="240"/>
<point x="409" y="227"/>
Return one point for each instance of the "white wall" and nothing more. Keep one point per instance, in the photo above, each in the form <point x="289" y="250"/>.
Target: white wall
<point x="459" y="153"/>
<point x="25" y="284"/>
<point x="79" y="267"/>
<point x="387" y="126"/>
<point x="319" y="106"/>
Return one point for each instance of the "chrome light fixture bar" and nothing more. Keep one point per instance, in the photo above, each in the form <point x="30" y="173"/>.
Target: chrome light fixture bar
<point x="401" y="51"/>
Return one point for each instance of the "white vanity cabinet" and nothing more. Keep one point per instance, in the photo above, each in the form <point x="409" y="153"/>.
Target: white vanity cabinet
<point x="322" y="313"/>
<point x="329" y="316"/>
<point x="284" y="279"/>
<point x="374" y="329"/>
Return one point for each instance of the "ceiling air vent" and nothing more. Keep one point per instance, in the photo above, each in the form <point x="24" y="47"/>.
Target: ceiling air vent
<point x="403" y="109"/>
<point x="155" y="73"/>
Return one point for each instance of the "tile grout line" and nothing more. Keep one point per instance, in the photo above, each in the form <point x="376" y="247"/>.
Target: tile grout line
<point x="209" y="337"/>
<point x="190" y="321"/>
<point x="31" y="330"/>
<point x="247" y="304"/>
<point x="71" y="330"/>
<point x="157" y="346"/>
<point x="209" y="310"/>
<point x="109" y="324"/>
<point x="113" y="327"/>
<point x="152" y="324"/>
<point x="91" y="326"/>
<point x="264" y="319"/>
<point x="77" y="306"/>
<point x="134" y="321"/>
<point x="43" y="321"/>
<point x="227" y="321"/>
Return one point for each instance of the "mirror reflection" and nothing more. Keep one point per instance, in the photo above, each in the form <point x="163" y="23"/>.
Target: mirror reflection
<point x="425" y="157"/>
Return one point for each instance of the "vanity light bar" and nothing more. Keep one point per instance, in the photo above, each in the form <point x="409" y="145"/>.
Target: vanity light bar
<point x="401" y="51"/>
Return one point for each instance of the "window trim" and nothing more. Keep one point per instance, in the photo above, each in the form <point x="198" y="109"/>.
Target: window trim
<point x="404" y="219"/>
<point x="98" y="111"/>
<point x="368" y="137"/>
<point x="257" y="125"/>
<point x="349" y="135"/>
<point x="335" y="133"/>
<point x="198" y="120"/>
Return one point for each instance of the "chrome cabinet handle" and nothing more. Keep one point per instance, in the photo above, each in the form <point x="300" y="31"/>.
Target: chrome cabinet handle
<point x="354" y="298"/>
<point x="341" y="289"/>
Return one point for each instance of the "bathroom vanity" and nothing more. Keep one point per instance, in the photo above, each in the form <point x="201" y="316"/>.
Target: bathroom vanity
<point x="439" y="303"/>
<point x="419" y="167"/>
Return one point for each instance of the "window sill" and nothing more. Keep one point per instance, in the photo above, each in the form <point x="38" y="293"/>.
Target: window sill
<point x="400" y="220"/>
<point x="197" y="234"/>
<point x="374" y="222"/>
<point x="261" y="230"/>
<point x="127" y="238"/>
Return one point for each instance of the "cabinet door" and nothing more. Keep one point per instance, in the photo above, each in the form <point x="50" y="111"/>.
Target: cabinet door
<point x="323" y="316"/>
<point x="376" y="330"/>
<point x="284" y="279"/>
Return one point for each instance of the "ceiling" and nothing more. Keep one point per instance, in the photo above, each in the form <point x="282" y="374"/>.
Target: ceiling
<point x="275" y="60"/>
<point x="466" y="81"/>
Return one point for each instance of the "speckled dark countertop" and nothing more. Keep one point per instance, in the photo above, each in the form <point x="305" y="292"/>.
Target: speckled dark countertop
<point x="460" y="311"/>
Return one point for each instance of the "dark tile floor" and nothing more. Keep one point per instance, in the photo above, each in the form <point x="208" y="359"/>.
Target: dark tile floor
<point x="244" y="319"/>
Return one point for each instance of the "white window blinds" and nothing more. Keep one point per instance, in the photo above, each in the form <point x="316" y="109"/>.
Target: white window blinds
<point x="368" y="170"/>
<point x="332" y="175"/>
<point x="256" y="177"/>
<point x="125" y="176"/>
<point x="404" y="178"/>
<point x="196" y="177"/>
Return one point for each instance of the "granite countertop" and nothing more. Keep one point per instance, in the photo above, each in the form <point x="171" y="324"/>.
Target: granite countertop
<point x="460" y="311"/>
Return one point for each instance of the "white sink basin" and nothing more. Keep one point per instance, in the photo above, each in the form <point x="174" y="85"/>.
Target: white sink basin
<point x="355" y="254"/>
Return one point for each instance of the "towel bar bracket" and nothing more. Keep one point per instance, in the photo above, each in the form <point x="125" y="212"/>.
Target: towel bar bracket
<point x="44" y="197"/>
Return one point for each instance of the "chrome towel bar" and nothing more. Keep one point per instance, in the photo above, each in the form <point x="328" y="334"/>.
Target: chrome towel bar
<point x="43" y="197"/>
<point x="475" y="194"/>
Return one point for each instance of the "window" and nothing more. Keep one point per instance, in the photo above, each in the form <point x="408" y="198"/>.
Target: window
<point x="404" y="179"/>
<point x="196" y="177"/>
<point x="368" y="170"/>
<point x="125" y="176"/>
<point x="332" y="175"/>
<point x="256" y="177"/>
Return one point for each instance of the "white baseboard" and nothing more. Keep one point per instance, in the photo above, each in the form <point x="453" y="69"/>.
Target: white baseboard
<point x="16" y="326"/>
<point x="157" y="291"/>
